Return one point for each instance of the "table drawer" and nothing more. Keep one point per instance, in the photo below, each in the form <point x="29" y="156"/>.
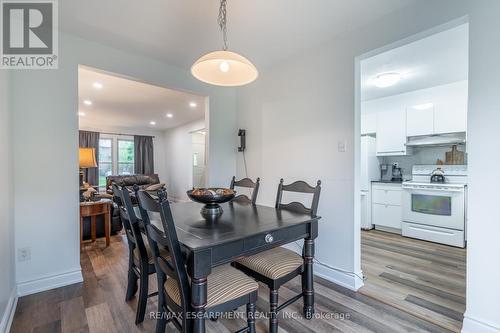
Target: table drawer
<point x="275" y="238"/>
<point x="387" y="196"/>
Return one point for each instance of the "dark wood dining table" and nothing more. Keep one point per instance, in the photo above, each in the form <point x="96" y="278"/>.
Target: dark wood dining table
<point x="241" y="230"/>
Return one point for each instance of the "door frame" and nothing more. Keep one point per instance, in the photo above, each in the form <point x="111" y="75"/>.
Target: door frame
<point x="357" y="123"/>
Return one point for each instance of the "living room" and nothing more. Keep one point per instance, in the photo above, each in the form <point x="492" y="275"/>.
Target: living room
<point x="300" y="107"/>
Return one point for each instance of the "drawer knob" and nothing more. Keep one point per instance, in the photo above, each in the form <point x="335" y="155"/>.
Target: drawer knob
<point x="269" y="238"/>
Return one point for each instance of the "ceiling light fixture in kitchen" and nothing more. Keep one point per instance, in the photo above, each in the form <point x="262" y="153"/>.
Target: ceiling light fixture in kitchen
<point x="385" y="80"/>
<point x="224" y="68"/>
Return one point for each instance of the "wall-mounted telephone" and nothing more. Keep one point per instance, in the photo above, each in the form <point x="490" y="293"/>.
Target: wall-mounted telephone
<point x="243" y="141"/>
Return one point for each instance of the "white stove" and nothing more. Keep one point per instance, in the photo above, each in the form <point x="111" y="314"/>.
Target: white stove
<point x="436" y="211"/>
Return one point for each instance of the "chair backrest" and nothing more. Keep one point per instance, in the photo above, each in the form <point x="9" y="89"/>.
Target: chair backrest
<point x="247" y="183"/>
<point x="175" y="266"/>
<point x="299" y="187"/>
<point x="130" y="221"/>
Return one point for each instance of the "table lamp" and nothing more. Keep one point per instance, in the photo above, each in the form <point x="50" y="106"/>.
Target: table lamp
<point x="87" y="160"/>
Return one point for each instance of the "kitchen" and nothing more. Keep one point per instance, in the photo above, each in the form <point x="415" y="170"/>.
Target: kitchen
<point x="414" y="176"/>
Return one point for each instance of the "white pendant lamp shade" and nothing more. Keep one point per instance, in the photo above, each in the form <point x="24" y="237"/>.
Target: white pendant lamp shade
<point x="224" y="68"/>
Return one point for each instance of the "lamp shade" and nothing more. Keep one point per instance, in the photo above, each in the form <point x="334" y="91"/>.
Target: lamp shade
<point x="87" y="158"/>
<point x="224" y="68"/>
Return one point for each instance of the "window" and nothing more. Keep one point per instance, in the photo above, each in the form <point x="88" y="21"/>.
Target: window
<point x="125" y="157"/>
<point x="116" y="157"/>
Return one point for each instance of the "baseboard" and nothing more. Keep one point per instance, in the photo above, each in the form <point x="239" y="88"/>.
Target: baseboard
<point x="49" y="282"/>
<point x="475" y="325"/>
<point x="9" y="312"/>
<point x="344" y="279"/>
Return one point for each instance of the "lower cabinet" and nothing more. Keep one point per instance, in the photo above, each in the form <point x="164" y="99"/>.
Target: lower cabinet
<point x="386" y="206"/>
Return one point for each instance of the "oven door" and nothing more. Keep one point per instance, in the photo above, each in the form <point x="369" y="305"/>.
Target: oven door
<point x="434" y="207"/>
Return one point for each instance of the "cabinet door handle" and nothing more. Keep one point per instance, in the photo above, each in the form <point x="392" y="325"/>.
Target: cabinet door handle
<point x="269" y="238"/>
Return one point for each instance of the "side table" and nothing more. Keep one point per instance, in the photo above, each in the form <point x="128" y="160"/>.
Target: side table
<point x="92" y="209"/>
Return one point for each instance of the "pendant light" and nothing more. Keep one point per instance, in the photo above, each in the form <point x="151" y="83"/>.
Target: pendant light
<point x="224" y="68"/>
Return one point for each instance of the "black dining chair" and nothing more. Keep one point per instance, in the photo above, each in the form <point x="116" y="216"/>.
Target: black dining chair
<point x="228" y="288"/>
<point x="246" y="183"/>
<point x="277" y="266"/>
<point x="141" y="263"/>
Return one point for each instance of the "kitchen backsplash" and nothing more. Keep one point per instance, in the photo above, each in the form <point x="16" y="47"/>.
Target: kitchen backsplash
<point x="421" y="155"/>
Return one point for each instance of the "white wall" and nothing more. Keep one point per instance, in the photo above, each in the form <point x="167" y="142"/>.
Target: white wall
<point x="7" y="257"/>
<point x="158" y="142"/>
<point x="45" y="142"/>
<point x="299" y="110"/>
<point x="179" y="160"/>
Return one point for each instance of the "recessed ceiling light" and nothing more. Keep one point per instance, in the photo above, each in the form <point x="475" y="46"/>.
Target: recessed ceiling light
<point x="97" y="85"/>
<point x="152" y="123"/>
<point x="87" y="102"/>
<point x="169" y="115"/>
<point x="81" y="114"/>
<point x="385" y="80"/>
<point x="193" y="104"/>
<point x="424" y="106"/>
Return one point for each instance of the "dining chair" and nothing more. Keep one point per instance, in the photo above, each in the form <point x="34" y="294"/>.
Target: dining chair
<point x="277" y="266"/>
<point x="227" y="287"/>
<point x="141" y="263"/>
<point x="246" y="183"/>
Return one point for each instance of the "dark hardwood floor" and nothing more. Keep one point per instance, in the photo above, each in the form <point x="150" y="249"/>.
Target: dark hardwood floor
<point x="98" y="305"/>
<point x="422" y="278"/>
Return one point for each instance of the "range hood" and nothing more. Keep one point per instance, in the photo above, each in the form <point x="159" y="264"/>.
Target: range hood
<point x="437" y="140"/>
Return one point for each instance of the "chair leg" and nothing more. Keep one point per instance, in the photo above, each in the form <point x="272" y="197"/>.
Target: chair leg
<point x="251" y="317"/>
<point x="132" y="282"/>
<point x="143" y="297"/>
<point x="161" y="323"/>
<point x="273" y="318"/>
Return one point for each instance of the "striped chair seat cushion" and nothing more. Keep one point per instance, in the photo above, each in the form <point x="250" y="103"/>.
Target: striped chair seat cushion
<point x="273" y="263"/>
<point x="224" y="284"/>
<point x="164" y="253"/>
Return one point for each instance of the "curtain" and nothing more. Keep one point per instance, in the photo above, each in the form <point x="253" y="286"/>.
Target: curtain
<point x="143" y="155"/>
<point x="90" y="140"/>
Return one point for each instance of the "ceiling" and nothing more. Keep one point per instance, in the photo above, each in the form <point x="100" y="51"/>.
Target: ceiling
<point x="128" y="104"/>
<point x="439" y="59"/>
<point x="180" y="31"/>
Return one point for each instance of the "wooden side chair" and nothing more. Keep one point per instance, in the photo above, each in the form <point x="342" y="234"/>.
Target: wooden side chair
<point x="141" y="263"/>
<point x="247" y="183"/>
<point x="277" y="266"/>
<point x="228" y="288"/>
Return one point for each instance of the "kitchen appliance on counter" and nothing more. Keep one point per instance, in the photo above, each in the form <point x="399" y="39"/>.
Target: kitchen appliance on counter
<point x="369" y="172"/>
<point x="434" y="204"/>
<point x="397" y="173"/>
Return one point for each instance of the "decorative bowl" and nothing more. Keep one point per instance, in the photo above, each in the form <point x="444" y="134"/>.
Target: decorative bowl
<point x="211" y="197"/>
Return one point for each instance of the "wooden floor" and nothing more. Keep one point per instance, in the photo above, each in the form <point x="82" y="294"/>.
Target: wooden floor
<point x="422" y="278"/>
<point x="98" y="305"/>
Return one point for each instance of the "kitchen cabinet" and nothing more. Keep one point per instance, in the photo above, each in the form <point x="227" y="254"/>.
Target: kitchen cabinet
<point x="391" y="133"/>
<point x="419" y="122"/>
<point x="368" y="123"/>
<point x="451" y="117"/>
<point x="386" y="207"/>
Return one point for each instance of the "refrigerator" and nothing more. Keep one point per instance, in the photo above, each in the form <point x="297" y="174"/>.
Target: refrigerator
<point x="370" y="170"/>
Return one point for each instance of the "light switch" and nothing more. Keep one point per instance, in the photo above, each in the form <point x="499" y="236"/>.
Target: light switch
<point x="341" y="146"/>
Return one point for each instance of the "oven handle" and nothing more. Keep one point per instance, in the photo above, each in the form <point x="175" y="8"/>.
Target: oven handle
<point x="432" y="189"/>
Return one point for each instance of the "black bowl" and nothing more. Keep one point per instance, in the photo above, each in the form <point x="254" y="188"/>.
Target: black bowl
<point x="210" y="195"/>
<point x="211" y="199"/>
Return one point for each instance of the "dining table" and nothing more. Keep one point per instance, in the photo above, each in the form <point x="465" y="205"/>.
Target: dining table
<point x="241" y="230"/>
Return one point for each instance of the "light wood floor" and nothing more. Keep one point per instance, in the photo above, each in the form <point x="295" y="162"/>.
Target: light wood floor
<point x="98" y="305"/>
<point x="422" y="278"/>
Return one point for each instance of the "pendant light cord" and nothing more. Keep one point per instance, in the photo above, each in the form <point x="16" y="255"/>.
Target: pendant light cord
<point x="222" y="20"/>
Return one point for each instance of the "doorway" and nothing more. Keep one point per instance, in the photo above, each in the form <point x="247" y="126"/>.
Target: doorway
<point x="411" y="126"/>
<point x="199" y="158"/>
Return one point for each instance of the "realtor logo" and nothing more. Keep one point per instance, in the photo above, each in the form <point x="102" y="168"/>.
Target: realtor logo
<point x="29" y="36"/>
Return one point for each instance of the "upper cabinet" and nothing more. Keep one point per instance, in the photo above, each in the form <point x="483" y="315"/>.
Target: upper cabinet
<point x="391" y="133"/>
<point x="436" y="110"/>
